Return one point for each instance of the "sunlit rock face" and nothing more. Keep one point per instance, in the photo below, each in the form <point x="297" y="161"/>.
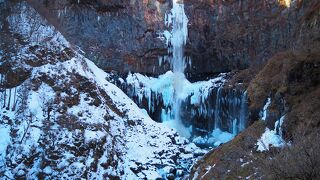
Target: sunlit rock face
<point x="285" y="3"/>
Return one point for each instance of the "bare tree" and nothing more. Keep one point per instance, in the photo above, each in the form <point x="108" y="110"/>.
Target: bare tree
<point x="29" y="120"/>
<point x="15" y="99"/>
<point x="4" y="98"/>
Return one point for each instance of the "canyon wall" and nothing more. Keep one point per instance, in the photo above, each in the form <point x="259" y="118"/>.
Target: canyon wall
<point x="223" y="36"/>
<point x="118" y="36"/>
<point x="235" y="34"/>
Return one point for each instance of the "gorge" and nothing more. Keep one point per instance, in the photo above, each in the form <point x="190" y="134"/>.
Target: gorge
<point x="159" y="89"/>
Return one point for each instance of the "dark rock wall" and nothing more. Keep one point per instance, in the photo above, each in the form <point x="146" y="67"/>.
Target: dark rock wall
<point x="223" y="35"/>
<point x="237" y="33"/>
<point x="117" y="35"/>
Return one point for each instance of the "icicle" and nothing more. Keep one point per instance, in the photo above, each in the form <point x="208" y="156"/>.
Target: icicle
<point x="160" y="61"/>
<point x="234" y="127"/>
<point x="278" y="125"/>
<point x="243" y="111"/>
<point x="265" y="108"/>
<point x="217" y="119"/>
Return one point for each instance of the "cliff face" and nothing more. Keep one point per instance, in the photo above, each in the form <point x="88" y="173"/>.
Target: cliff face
<point x="235" y="34"/>
<point x="223" y="35"/>
<point x="118" y="35"/>
<point x="247" y="35"/>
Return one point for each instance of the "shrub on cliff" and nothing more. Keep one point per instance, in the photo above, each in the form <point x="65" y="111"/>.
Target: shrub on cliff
<point x="301" y="160"/>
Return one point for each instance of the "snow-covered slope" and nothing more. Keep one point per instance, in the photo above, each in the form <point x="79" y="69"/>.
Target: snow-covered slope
<point x="65" y="120"/>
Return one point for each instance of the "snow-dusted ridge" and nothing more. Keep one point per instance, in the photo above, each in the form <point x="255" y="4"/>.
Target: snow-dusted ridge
<point x="70" y="122"/>
<point x="138" y="140"/>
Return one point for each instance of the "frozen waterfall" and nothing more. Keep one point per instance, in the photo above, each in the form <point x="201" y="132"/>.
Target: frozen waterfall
<point x="178" y="20"/>
<point x="204" y="111"/>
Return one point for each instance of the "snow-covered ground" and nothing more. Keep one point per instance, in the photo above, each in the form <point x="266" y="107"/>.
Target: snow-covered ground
<point x="70" y="122"/>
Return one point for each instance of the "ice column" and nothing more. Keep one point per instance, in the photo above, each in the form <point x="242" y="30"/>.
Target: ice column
<point x="179" y="21"/>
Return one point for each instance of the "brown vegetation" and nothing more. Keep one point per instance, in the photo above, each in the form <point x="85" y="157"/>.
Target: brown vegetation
<point x="300" y="160"/>
<point x="292" y="80"/>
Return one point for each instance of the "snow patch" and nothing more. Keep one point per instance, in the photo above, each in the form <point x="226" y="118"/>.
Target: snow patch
<point x="93" y="135"/>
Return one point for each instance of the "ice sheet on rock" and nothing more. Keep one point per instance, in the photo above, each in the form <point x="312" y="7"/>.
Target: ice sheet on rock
<point x="179" y="127"/>
<point x="216" y="138"/>
<point x="271" y="137"/>
<point x="164" y="86"/>
<point x="40" y="100"/>
<point x="93" y="135"/>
